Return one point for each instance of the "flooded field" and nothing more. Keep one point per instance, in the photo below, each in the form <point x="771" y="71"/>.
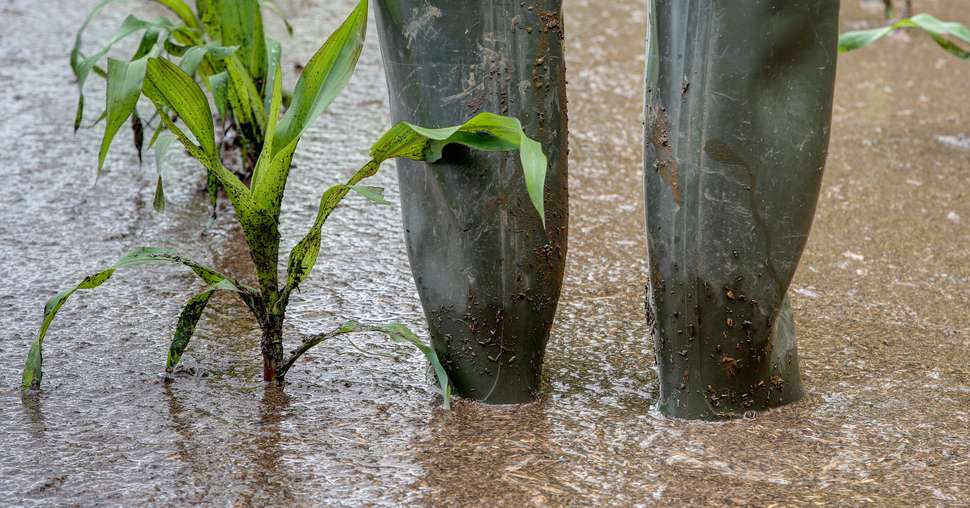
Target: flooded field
<point x="882" y="307"/>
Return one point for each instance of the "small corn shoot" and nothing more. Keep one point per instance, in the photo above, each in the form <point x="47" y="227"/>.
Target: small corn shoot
<point x="184" y="109"/>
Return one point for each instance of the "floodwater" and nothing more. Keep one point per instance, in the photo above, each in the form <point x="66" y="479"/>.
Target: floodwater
<point x="882" y="305"/>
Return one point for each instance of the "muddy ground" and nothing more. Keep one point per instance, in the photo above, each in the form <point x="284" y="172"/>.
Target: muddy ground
<point x="882" y="306"/>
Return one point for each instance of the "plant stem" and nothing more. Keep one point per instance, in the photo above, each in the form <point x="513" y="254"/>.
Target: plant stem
<point x="272" y="346"/>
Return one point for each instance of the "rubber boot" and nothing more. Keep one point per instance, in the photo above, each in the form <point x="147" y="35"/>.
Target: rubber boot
<point x="488" y="274"/>
<point x="739" y="100"/>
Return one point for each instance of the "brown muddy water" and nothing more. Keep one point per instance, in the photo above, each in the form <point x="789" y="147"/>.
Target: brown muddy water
<point x="882" y="301"/>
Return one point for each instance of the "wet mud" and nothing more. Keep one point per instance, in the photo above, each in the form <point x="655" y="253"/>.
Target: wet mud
<point x="880" y="303"/>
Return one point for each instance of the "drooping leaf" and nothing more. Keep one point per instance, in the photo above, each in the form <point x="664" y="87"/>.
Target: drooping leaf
<point x="275" y="8"/>
<point x="76" y="56"/>
<point x="486" y="131"/>
<point x="124" y="87"/>
<point x="182" y="10"/>
<point x="374" y="194"/>
<point x="402" y="334"/>
<point x="170" y="88"/>
<point x="194" y="56"/>
<point x="177" y="90"/>
<point x="137" y="133"/>
<point x="33" y="370"/>
<point x="162" y="147"/>
<point x="189" y="319"/>
<point x="396" y="332"/>
<point x="939" y="31"/>
<point x="83" y="66"/>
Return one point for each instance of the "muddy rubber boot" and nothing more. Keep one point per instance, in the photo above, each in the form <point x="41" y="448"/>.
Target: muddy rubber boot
<point x="739" y="100"/>
<point x="488" y="275"/>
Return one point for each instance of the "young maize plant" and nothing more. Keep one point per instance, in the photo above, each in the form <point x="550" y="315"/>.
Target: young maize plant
<point x="944" y="33"/>
<point x="221" y="44"/>
<point x="257" y="205"/>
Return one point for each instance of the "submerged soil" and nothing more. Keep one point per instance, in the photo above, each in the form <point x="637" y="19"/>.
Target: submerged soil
<point x="881" y="305"/>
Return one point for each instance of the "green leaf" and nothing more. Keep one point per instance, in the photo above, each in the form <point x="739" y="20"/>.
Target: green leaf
<point x="189" y="319"/>
<point x="274" y="53"/>
<point x="83" y="66"/>
<point x="33" y="370"/>
<point x="162" y="147"/>
<point x="182" y="10"/>
<point x="323" y="78"/>
<point x="77" y="57"/>
<point x="245" y="100"/>
<point x="938" y="30"/>
<point x="169" y="87"/>
<point x="275" y="8"/>
<point x="124" y="87"/>
<point x="193" y="57"/>
<point x="374" y="194"/>
<point x="402" y="334"/>
<point x="275" y="106"/>
<point x="304" y="255"/>
<point x="859" y="39"/>
<point x="158" y="203"/>
<point x="219" y="83"/>
<point x="149" y="41"/>
<point x="172" y="87"/>
<point x="486" y="131"/>
<point x="209" y="16"/>
<point x="242" y="26"/>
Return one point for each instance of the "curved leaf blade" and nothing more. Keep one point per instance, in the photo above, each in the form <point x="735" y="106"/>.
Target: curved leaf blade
<point x="33" y="368"/>
<point x="275" y="8"/>
<point x="402" y="334"/>
<point x="162" y="147"/>
<point x="124" y="88"/>
<point x="189" y="320"/>
<point x="182" y="10"/>
<point x="486" y="131"/>
<point x="373" y="194"/>
<point x="169" y="85"/>
<point x="938" y="30"/>
<point x="82" y="66"/>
